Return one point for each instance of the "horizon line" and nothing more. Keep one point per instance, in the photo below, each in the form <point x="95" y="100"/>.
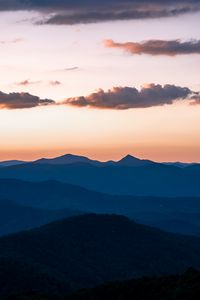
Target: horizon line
<point x="99" y="160"/>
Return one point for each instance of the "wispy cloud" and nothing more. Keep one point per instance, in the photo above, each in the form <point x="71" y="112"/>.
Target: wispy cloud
<point x="71" y="69"/>
<point x="12" y="41"/>
<point x="22" y="100"/>
<point x="27" y="82"/>
<point x="157" y="47"/>
<point x="130" y="97"/>
<point x="54" y="82"/>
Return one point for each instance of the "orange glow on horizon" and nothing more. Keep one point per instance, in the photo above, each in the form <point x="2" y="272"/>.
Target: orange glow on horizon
<point x="158" y="154"/>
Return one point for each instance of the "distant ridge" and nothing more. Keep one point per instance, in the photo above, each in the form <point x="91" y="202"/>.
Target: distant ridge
<point x="15" y="217"/>
<point x="55" y="200"/>
<point x="129" y="176"/>
<point x="180" y="164"/>
<point x="128" y="160"/>
<point x="9" y="163"/>
<point x="67" y="159"/>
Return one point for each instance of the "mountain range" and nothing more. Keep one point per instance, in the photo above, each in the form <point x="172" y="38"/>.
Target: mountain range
<point x="129" y="176"/>
<point x="69" y="223"/>
<point x="128" y="160"/>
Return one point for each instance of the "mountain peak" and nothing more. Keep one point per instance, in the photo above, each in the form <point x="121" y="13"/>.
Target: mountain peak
<point x="130" y="157"/>
<point x="67" y="159"/>
<point x="130" y="160"/>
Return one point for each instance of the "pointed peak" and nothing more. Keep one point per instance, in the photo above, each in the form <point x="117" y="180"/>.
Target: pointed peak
<point x="132" y="161"/>
<point x="129" y="156"/>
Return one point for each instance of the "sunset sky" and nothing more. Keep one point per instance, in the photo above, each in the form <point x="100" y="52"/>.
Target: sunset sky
<point x="110" y="79"/>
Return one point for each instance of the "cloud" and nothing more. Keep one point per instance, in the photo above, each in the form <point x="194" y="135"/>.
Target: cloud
<point x="54" y="82"/>
<point x="112" y="15"/>
<point x="67" y="69"/>
<point x="71" y="69"/>
<point x="130" y="97"/>
<point x="195" y="99"/>
<point x="13" y="41"/>
<point x="157" y="47"/>
<point x="90" y="11"/>
<point x="27" y="82"/>
<point x="119" y="98"/>
<point x="22" y="100"/>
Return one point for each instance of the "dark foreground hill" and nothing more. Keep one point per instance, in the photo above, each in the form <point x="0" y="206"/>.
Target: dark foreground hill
<point x="149" y="179"/>
<point x="88" y="250"/>
<point x="174" y="287"/>
<point x="181" y="215"/>
<point x="177" y="287"/>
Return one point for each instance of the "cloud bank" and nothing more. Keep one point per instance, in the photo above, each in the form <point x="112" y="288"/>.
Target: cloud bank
<point x="119" y="98"/>
<point x="90" y="11"/>
<point x="129" y="97"/>
<point x="157" y="47"/>
<point x="22" y="100"/>
<point x="111" y="15"/>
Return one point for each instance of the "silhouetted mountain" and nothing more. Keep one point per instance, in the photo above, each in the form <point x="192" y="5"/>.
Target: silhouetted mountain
<point x="174" y="287"/>
<point x="67" y="159"/>
<point x="74" y="159"/>
<point x="19" y="277"/>
<point x="181" y="215"/>
<point x="131" y="161"/>
<point x="147" y="180"/>
<point x="9" y="163"/>
<point x="88" y="250"/>
<point x="14" y="217"/>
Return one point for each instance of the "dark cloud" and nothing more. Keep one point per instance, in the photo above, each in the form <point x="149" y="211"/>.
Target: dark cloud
<point x="22" y="100"/>
<point x="90" y="11"/>
<point x="112" y="15"/>
<point x="158" y="47"/>
<point x="195" y="99"/>
<point x="129" y="97"/>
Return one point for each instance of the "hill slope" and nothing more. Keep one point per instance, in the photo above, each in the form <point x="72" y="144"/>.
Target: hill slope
<point x="88" y="250"/>
<point x="176" y="287"/>
<point x="15" y="217"/>
<point x="179" y="215"/>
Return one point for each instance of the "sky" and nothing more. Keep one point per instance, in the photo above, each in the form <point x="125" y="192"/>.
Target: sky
<point x="100" y="84"/>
